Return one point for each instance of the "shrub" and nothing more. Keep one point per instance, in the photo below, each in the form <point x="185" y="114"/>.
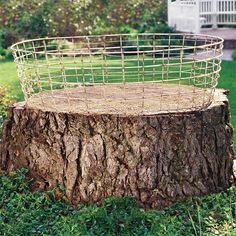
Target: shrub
<point x="5" y="101"/>
<point x="33" y="18"/>
<point x="2" y="53"/>
<point x="8" y="37"/>
<point x="5" y="54"/>
<point x="234" y="55"/>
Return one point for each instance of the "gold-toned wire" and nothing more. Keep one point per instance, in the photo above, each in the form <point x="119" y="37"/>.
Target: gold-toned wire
<point x="175" y="71"/>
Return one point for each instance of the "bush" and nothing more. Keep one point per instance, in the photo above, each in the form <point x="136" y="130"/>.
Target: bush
<point x="5" y="101"/>
<point x="33" y="18"/>
<point x="234" y="55"/>
<point x="8" y="54"/>
<point x="7" y="37"/>
<point x="2" y="53"/>
<point x="5" y="54"/>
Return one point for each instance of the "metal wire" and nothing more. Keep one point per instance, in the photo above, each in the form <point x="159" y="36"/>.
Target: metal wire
<point x="119" y="73"/>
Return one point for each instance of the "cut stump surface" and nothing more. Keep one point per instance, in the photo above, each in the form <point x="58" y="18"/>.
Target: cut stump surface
<point x="158" y="159"/>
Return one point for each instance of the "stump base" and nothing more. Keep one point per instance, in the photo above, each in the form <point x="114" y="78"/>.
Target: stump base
<point x="158" y="159"/>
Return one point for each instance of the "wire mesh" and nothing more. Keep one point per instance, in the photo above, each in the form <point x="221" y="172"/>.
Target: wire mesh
<point x="120" y="73"/>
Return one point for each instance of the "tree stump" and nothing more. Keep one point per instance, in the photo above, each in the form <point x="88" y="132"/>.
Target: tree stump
<point x="158" y="159"/>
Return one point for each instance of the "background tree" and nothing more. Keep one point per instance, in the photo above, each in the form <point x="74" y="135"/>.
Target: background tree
<point x="34" y="18"/>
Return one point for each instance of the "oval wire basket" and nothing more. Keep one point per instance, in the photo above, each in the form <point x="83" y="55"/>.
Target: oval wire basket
<point x="120" y="73"/>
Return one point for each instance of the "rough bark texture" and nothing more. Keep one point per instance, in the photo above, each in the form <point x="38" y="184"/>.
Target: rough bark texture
<point x="158" y="159"/>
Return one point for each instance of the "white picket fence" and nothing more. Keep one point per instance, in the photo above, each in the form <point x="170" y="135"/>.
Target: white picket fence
<point x="191" y="15"/>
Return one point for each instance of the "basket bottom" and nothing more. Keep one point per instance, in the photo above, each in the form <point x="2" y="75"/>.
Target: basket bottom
<point x="128" y="99"/>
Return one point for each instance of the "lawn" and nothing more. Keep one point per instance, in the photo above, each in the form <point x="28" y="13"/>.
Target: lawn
<point x="228" y="81"/>
<point x="8" y="77"/>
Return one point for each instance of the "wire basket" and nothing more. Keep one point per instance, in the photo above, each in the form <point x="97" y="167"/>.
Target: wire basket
<point x="119" y="73"/>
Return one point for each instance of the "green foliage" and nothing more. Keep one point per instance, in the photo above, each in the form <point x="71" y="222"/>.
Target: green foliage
<point x="7" y="36"/>
<point x="117" y="216"/>
<point x="5" y="101"/>
<point x="5" y="54"/>
<point x="34" y="18"/>
<point x="25" y="213"/>
<point x="234" y="55"/>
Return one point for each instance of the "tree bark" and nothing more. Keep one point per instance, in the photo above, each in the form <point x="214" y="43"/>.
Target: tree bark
<point x="158" y="159"/>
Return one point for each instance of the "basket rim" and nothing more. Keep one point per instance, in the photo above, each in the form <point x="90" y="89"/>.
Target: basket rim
<point x="218" y="41"/>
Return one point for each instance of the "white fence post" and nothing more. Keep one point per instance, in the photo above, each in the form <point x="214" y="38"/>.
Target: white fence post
<point x="214" y="13"/>
<point x="168" y="11"/>
<point x="197" y="18"/>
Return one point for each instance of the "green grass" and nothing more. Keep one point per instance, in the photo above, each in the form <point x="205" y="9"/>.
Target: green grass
<point x="8" y="77"/>
<point x="25" y="213"/>
<point x="228" y="81"/>
<point x="112" y="72"/>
